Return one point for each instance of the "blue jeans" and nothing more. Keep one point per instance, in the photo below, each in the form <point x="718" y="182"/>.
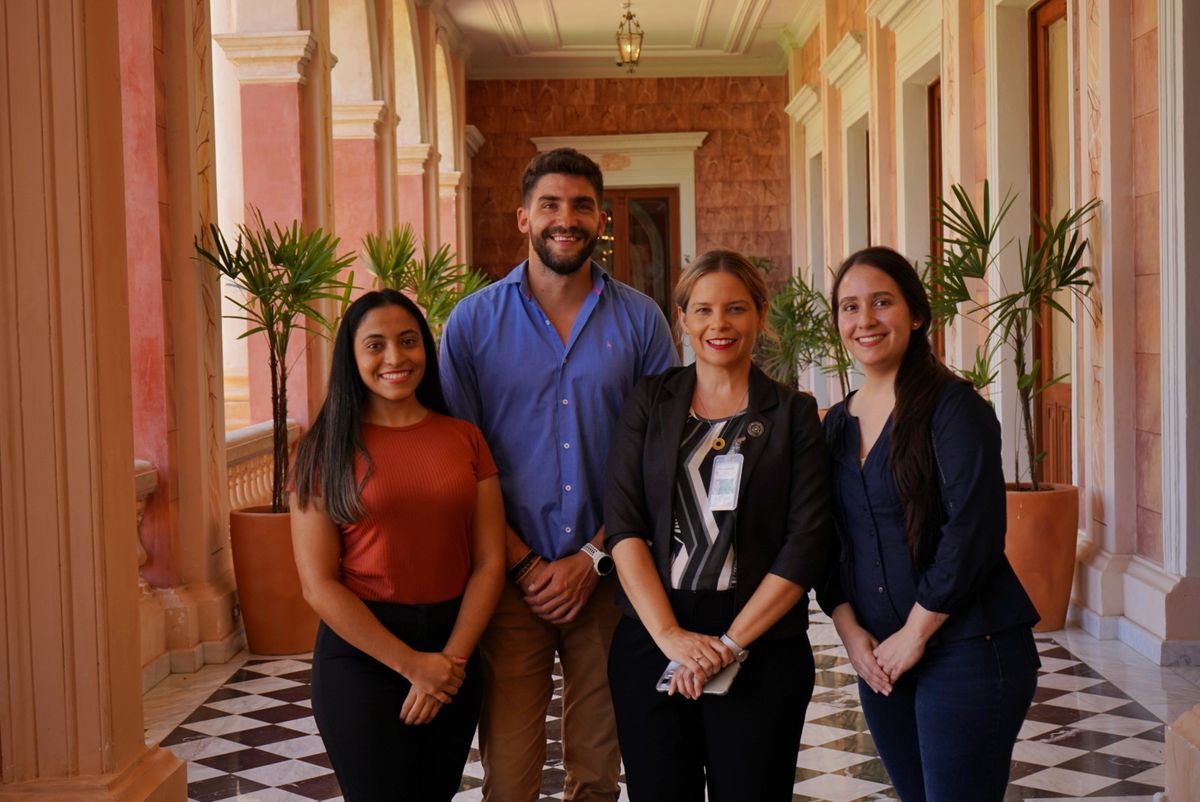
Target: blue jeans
<point x="947" y="731"/>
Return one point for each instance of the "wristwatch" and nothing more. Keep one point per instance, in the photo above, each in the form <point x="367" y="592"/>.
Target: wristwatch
<point x="601" y="562"/>
<point x="739" y="654"/>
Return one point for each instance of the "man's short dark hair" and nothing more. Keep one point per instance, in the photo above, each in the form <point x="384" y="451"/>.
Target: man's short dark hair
<point x="565" y="161"/>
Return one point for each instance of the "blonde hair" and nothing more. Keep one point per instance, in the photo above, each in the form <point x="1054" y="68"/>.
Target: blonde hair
<point x="720" y="260"/>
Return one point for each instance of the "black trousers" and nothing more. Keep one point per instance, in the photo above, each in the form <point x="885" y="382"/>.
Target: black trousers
<point x="743" y="745"/>
<point x="356" y="703"/>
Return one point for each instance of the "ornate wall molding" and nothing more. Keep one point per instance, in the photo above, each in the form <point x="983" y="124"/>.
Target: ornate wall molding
<point x="846" y="69"/>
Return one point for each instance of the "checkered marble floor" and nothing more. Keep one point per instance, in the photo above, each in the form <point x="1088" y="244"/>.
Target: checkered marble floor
<point x="254" y="738"/>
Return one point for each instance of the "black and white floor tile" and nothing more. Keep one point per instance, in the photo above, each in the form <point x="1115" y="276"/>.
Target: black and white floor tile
<point x="1084" y="738"/>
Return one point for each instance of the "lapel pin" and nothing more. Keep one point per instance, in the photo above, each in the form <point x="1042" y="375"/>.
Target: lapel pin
<point x="755" y="429"/>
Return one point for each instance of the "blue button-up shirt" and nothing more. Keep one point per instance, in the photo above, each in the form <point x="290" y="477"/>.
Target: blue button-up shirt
<point x="548" y="410"/>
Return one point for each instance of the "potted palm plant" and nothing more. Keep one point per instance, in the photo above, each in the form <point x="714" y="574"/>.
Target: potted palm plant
<point x="801" y="334"/>
<point x="1042" y="517"/>
<point x="436" y="281"/>
<point x="283" y="275"/>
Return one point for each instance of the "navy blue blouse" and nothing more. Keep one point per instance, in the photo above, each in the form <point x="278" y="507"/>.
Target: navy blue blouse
<point x="968" y="577"/>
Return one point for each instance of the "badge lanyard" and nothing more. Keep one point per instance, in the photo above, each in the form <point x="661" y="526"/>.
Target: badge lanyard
<point x="726" y="480"/>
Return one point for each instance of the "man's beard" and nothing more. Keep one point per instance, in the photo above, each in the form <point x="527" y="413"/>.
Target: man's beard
<point x="568" y="265"/>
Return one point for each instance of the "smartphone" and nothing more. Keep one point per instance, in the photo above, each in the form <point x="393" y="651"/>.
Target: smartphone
<point x="717" y="686"/>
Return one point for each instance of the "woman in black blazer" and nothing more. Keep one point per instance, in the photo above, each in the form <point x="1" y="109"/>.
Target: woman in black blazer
<point x="717" y="514"/>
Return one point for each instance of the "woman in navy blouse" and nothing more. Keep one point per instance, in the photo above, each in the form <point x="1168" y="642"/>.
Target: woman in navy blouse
<point x="932" y="616"/>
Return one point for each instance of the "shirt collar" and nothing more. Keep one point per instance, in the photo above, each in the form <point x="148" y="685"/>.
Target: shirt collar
<point x="519" y="275"/>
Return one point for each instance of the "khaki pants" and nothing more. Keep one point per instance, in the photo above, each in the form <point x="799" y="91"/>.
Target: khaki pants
<point x="518" y="651"/>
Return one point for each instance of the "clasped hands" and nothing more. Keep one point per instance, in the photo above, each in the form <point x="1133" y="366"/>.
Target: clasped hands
<point x="435" y="678"/>
<point x="700" y="657"/>
<point x="882" y="664"/>
<point x="556" y="591"/>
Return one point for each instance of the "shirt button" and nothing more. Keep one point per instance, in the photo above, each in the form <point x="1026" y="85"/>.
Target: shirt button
<point x="567" y="488"/>
<point x="881" y="588"/>
<point x="567" y="529"/>
<point x="566" y="445"/>
<point x="565" y="402"/>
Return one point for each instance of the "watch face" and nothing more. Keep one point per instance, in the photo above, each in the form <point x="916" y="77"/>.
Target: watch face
<point x="604" y="565"/>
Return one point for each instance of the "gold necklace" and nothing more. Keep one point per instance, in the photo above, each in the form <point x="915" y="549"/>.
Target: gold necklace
<point x="718" y="443"/>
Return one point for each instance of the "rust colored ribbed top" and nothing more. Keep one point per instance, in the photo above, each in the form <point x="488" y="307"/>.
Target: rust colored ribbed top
<point x="412" y="546"/>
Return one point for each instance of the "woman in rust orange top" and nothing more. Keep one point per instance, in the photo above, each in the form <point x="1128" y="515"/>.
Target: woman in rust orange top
<point x="398" y="527"/>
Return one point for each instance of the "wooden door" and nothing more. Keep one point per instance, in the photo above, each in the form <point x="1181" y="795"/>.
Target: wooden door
<point x="1051" y="196"/>
<point x="640" y="245"/>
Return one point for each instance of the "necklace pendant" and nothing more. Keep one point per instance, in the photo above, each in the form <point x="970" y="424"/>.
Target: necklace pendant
<point x="718" y="443"/>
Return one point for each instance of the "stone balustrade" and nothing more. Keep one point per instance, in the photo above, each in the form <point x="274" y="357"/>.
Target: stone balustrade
<point x="248" y="457"/>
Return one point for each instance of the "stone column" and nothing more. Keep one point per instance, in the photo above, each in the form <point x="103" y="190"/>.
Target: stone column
<point x="69" y="672"/>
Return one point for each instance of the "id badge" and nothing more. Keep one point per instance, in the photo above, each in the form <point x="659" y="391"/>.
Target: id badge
<point x="725" y="482"/>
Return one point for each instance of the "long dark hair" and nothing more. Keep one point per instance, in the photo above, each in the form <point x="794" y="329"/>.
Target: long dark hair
<point x="325" y="457"/>
<point x="919" y="383"/>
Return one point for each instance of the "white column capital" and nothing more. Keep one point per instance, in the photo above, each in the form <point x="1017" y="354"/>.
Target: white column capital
<point x="449" y="182"/>
<point x="475" y="140"/>
<point x="268" y="58"/>
<point x="357" y="120"/>
<point x="804" y="105"/>
<point x="412" y="159"/>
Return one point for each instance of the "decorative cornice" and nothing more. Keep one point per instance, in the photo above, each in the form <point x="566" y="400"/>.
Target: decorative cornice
<point x="357" y="120"/>
<point x="804" y="23"/>
<point x="631" y="144"/>
<point x="268" y="58"/>
<point x="805" y="105"/>
<point x="474" y="138"/>
<point x="845" y="61"/>
<point x="894" y="13"/>
<point x="412" y="159"/>
<point x="508" y="24"/>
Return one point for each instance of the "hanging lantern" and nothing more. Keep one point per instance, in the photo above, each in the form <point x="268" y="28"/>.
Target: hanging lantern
<point x="629" y="40"/>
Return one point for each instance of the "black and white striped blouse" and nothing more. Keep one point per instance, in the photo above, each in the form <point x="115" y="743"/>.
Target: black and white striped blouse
<point x="702" y="553"/>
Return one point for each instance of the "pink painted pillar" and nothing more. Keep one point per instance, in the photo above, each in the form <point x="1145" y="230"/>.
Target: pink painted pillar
<point x="448" y="189"/>
<point x="357" y="191"/>
<point x="279" y="175"/>
<point x="149" y="330"/>
<point x="411" y="163"/>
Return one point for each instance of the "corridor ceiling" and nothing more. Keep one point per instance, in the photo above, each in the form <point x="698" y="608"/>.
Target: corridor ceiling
<point x="574" y="38"/>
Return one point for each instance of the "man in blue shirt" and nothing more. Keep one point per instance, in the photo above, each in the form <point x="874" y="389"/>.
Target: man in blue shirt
<point x="542" y="362"/>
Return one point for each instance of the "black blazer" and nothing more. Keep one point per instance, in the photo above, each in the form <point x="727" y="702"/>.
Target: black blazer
<point x="784" y="524"/>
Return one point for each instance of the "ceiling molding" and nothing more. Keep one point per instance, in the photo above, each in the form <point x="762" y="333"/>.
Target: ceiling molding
<point x="508" y="25"/>
<point x="702" y="16"/>
<point x="804" y="23"/>
<point x="552" y="22"/>
<point x="746" y="18"/>
<point x="553" y="39"/>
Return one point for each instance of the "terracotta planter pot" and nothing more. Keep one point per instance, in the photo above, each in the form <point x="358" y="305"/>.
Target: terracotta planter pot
<point x="1042" y="530"/>
<point x="277" y="619"/>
